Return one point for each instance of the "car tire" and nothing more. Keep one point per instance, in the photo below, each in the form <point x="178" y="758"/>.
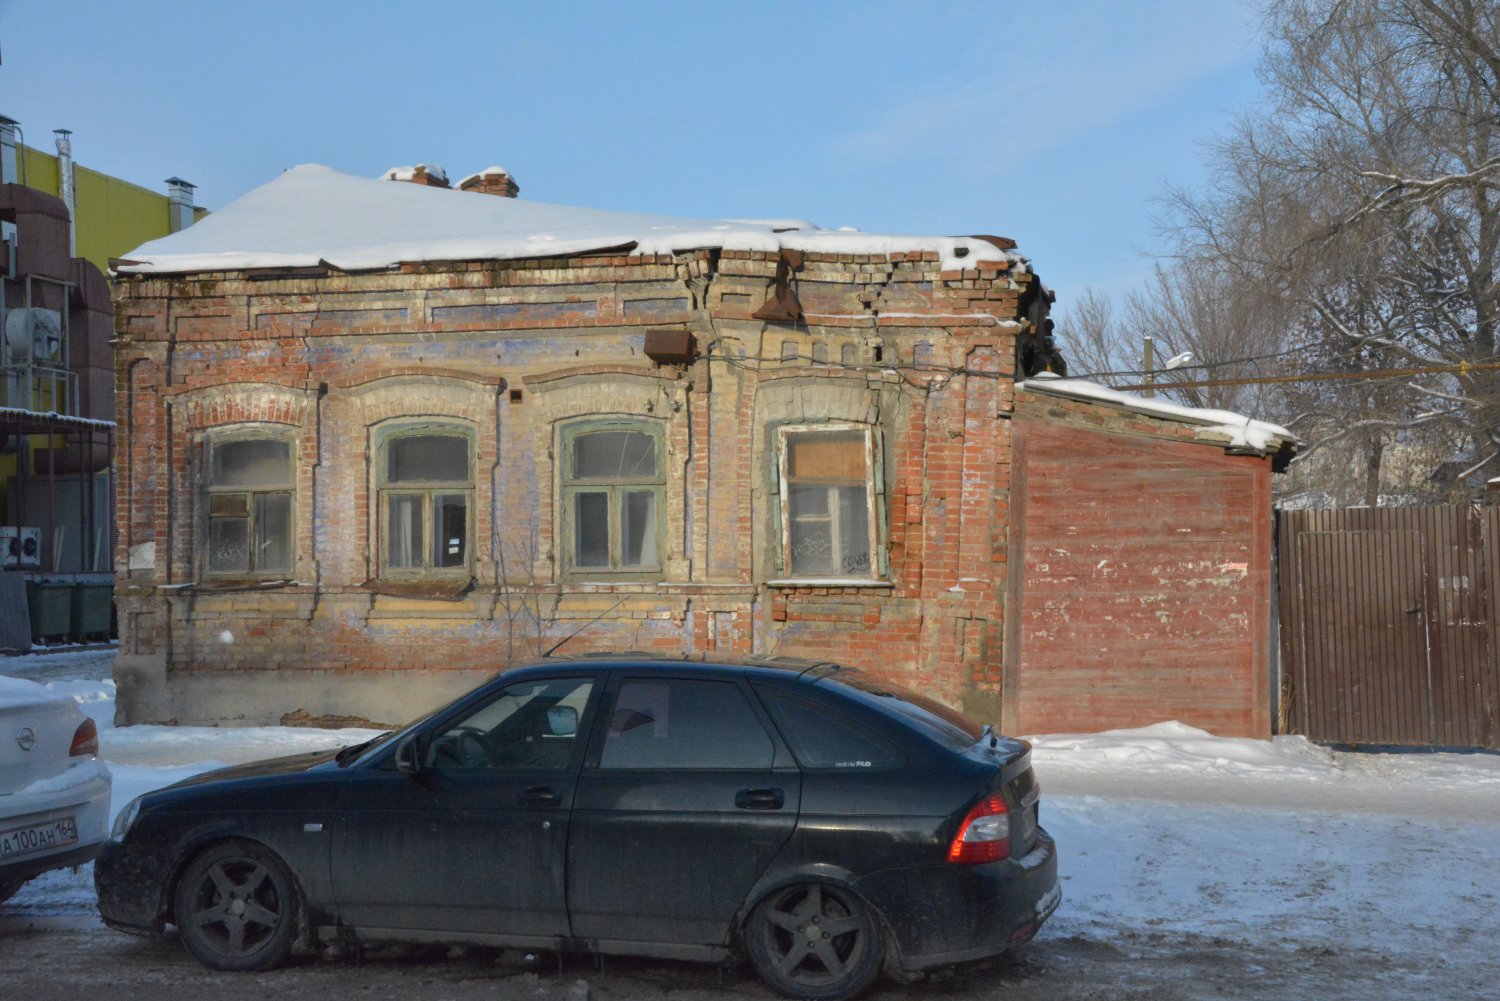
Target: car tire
<point x="236" y="907"/>
<point x="814" y="942"/>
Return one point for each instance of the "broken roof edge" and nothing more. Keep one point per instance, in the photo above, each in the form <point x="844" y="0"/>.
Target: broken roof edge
<point x="311" y="214"/>
<point x="1237" y="430"/>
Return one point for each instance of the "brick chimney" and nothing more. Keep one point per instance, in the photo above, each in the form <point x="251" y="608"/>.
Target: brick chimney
<point x="491" y="181"/>
<point x="430" y="174"/>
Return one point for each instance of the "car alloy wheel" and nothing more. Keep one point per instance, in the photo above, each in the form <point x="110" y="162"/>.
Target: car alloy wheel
<point x="814" y="941"/>
<point x="236" y="908"/>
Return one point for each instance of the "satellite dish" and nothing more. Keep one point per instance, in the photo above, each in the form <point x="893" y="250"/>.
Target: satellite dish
<point x="33" y="333"/>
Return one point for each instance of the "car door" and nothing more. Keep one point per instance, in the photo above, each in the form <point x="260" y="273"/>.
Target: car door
<point x="686" y="797"/>
<point x="472" y="841"/>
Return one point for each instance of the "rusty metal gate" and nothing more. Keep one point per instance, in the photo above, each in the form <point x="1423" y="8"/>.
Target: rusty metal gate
<point x="1388" y="625"/>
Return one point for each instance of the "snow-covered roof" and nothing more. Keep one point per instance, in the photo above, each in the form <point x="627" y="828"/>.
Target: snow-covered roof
<point x="1237" y="430"/>
<point x="313" y="214"/>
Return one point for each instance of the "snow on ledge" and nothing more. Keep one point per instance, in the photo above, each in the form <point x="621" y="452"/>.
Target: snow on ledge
<point x="1238" y="430"/>
<point x="313" y="214"/>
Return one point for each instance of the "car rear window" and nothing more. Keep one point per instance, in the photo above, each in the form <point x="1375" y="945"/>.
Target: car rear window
<point x="821" y="739"/>
<point x="927" y="715"/>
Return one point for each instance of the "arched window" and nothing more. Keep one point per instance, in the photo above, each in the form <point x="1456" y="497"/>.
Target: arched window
<point x="425" y="481"/>
<point x="613" y="485"/>
<point x="249" y="481"/>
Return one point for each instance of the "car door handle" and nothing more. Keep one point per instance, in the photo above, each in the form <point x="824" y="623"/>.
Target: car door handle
<point x="760" y="799"/>
<point x="538" y="796"/>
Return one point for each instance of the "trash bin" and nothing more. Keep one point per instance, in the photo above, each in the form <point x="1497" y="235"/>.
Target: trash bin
<point x="92" y="604"/>
<point x="51" y="607"/>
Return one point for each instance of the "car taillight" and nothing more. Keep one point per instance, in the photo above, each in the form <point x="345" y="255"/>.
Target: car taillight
<point x="984" y="836"/>
<point x="85" y="739"/>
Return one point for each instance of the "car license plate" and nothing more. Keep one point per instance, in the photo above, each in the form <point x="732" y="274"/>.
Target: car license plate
<point x="38" y="837"/>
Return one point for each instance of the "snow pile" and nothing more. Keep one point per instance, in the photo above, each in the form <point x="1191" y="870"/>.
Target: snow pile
<point x="1239" y="430"/>
<point x="1174" y="747"/>
<point x="313" y="214"/>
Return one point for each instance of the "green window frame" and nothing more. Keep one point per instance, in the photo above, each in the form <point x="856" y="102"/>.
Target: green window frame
<point x="424" y="476"/>
<point x="249" y="487"/>
<point x="612" y="486"/>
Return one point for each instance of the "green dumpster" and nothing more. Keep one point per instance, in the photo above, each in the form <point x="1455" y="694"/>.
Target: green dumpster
<point x="51" y="607"/>
<point x="92" y="604"/>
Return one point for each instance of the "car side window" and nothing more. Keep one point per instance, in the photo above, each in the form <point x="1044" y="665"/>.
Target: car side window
<point x="823" y="739"/>
<point x="681" y="723"/>
<point x="531" y="726"/>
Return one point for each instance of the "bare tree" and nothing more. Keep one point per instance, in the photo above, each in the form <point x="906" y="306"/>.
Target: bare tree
<point x="1354" y="222"/>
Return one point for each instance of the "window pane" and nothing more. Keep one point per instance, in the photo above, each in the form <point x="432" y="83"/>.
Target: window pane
<point x="229" y="506"/>
<point x="591" y="529"/>
<point x="530" y="726"/>
<point x="273" y="531"/>
<point x="822" y="739"/>
<point x="638" y="528"/>
<point x="615" y="455"/>
<point x="450" y="517"/>
<point x="403" y="537"/>
<point x="427" y="458"/>
<point x="807" y="501"/>
<point x="854" y="532"/>
<point x="228" y="545"/>
<point x="251" y="462"/>
<point x="826" y="455"/>
<point x="812" y="548"/>
<point x="684" y="724"/>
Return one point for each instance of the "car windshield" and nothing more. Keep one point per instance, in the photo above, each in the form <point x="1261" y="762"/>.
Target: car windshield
<point x="928" y="715"/>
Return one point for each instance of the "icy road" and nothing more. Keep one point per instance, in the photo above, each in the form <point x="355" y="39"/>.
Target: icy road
<point x="1193" y="866"/>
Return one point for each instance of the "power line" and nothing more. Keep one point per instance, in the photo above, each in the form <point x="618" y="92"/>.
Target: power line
<point x="1378" y="373"/>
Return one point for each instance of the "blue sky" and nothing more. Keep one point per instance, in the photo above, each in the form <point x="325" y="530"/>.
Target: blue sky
<point x="1053" y="123"/>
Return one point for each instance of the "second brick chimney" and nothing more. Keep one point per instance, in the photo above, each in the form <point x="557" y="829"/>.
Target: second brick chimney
<point x="491" y="181"/>
<point x="429" y="174"/>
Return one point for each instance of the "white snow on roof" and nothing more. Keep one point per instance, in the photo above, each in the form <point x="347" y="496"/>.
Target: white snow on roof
<point x="407" y="173"/>
<point x="1242" y="431"/>
<point x="312" y="214"/>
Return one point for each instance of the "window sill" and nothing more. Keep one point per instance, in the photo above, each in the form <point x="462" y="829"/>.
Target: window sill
<point x="830" y="582"/>
<point x="232" y="584"/>
<point x="437" y="590"/>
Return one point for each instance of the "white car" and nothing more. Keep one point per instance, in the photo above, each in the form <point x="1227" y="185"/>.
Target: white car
<point x="54" y="790"/>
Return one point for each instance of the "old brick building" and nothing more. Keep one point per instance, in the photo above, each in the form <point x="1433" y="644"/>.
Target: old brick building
<point x="380" y="439"/>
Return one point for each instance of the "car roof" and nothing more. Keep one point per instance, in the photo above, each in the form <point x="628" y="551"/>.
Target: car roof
<point x="636" y="660"/>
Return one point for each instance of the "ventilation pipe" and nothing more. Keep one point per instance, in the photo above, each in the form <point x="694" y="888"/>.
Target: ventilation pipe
<point x="10" y="162"/>
<point x="179" y="204"/>
<point x="65" y="184"/>
<point x="10" y="159"/>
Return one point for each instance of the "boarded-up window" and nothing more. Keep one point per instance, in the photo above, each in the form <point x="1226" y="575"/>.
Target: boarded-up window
<point x="827" y="502"/>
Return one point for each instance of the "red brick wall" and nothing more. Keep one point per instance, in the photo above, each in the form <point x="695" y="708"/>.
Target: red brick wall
<point x="1144" y="577"/>
<point x="511" y="350"/>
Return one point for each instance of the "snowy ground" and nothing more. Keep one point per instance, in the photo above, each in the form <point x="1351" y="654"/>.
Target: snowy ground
<point x="1187" y="859"/>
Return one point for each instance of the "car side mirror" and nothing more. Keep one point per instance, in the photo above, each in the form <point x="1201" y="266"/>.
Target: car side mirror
<point x="562" y="721"/>
<point x="409" y="756"/>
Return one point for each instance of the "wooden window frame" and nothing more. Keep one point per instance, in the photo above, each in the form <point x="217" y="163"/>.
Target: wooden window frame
<point x="216" y="438"/>
<point x="428" y="491"/>
<point x="872" y="505"/>
<point x="614" y="487"/>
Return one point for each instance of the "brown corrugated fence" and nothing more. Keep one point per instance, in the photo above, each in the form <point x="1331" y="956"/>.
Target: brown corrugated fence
<point x="1388" y="625"/>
